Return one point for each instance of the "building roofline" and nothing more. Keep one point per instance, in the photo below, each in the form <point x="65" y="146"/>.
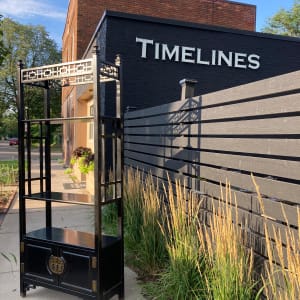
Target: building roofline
<point x="249" y="5"/>
<point x="105" y="14"/>
<point x="67" y="18"/>
<point x="172" y="22"/>
<point x="241" y="3"/>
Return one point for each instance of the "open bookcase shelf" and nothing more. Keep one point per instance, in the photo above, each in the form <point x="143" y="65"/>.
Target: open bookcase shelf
<point x="70" y="237"/>
<point x="80" y="199"/>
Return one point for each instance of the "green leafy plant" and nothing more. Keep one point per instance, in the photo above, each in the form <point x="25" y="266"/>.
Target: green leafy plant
<point x="84" y="158"/>
<point x="80" y="152"/>
<point x="8" y="172"/>
<point x="68" y="171"/>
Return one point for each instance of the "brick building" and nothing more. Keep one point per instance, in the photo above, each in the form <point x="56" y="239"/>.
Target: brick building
<point x="82" y="22"/>
<point x="84" y="16"/>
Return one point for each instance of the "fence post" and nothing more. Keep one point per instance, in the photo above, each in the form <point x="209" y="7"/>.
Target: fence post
<point x="187" y="88"/>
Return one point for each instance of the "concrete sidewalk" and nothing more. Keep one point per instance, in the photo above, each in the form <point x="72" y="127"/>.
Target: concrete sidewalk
<point x="64" y="215"/>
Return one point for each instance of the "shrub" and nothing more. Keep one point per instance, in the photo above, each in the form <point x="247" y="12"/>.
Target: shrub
<point x="80" y="152"/>
<point x="84" y="158"/>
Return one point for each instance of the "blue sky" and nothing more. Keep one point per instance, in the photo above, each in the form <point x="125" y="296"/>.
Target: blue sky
<point x="52" y="13"/>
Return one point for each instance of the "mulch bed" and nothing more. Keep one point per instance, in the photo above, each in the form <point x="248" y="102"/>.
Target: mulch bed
<point x="6" y="198"/>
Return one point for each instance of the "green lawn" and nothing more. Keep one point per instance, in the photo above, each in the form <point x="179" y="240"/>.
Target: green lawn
<point x="11" y="163"/>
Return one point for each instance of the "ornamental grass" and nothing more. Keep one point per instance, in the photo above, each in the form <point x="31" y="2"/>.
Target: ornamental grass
<point x="143" y="237"/>
<point x="211" y="259"/>
<point x="229" y="264"/>
<point x="182" y="278"/>
<point x="133" y="209"/>
<point x="281" y="280"/>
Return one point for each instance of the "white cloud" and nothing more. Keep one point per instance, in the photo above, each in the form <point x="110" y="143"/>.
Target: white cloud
<point x="28" y="8"/>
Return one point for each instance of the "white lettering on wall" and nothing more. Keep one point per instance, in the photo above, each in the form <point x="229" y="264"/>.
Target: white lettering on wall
<point x="166" y="53"/>
<point x="144" y="42"/>
<point x="227" y="58"/>
<point x="213" y="57"/>
<point x="157" y="50"/>
<point x="187" y="54"/>
<point x="199" y="58"/>
<point x="192" y="55"/>
<point x="253" y="60"/>
<point x="240" y="60"/>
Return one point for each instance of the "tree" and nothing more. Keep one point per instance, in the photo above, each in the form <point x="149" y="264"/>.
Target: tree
<point x="3" y="50"/>
<point x="3" y="53"/>
<point x="285" y="22"/>
<point x="9" y="126"/>
<point x="34" y="47"/>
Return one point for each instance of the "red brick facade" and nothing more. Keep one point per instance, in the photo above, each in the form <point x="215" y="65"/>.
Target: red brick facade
<point x="84" y="15"/>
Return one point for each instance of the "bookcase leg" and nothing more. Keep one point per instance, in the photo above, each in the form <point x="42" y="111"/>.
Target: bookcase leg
<point x="23" y="289"/>
<point x="121" y="293"/>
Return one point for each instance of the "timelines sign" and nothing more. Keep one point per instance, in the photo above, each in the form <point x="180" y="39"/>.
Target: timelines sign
<point x="71" y="73"/>
<point x="198" y="56"/>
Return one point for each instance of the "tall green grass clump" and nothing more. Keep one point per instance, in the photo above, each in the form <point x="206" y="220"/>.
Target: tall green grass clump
<point x="143" y="238"/>
<point x="8" y="172"/>
<point x="152" y="249"/>
<point x="211" y="259"/>
<point x="110" y="219"/>
<point x="182" y="278"/>
<point x="229" y="270"/>
<point x="282" y="280"/>
<point x="133" y="209"/>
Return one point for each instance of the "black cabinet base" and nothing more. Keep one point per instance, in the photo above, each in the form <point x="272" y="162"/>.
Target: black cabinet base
<point x="65" y="260"/>
<point x="29" y="284"/>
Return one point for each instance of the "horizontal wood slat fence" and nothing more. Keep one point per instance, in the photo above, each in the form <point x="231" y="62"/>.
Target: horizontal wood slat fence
<point x="227" y="136"/>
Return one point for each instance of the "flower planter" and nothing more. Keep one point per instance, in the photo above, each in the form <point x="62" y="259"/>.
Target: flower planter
<point x="89" y="183"/>
<point x="76" y="172"/>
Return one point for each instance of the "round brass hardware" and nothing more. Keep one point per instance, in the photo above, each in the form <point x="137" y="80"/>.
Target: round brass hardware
<point x="56" y="265"/>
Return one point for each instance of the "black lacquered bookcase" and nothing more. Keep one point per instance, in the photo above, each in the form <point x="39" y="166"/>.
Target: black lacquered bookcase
<point x="88" y="265"/>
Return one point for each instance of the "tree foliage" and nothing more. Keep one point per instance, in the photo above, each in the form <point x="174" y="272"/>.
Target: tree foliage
<point x="3" y="50"/>
<point x="34" y="47"/>
<point x="285" y="22"/>
<point x="9" y="126"/>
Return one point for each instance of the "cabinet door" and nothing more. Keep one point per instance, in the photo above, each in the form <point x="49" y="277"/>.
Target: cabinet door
<point x="36" y="262"/>
<point x="78" y="274"/>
